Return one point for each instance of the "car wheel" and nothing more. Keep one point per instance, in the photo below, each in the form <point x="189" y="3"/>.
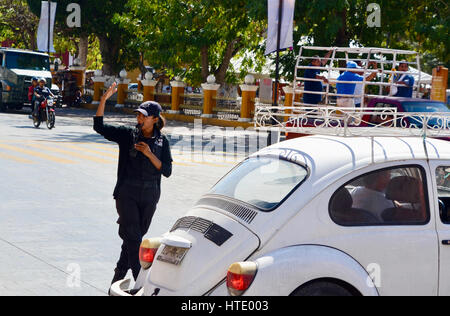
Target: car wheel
<point x="321" y="288"/>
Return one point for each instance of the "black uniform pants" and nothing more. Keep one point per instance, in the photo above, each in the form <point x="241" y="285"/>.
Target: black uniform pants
<point x="136" y="203"/>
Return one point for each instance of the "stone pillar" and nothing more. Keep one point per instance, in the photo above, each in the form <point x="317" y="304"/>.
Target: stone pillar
<point x="149" y="87"/>
<point x="99" y="83"/>
<point x="177" y="90"/>
<point x="248" y="99"/>
<point x="80" y="74"/>
<point x="209" y="94"/>
<point x="439" y="85"/>
<point x="289" y="100"/>
<point x="122" y="88"/>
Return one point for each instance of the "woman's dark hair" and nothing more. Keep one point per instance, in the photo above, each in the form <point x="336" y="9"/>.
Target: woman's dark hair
<point x="161" y="123"/>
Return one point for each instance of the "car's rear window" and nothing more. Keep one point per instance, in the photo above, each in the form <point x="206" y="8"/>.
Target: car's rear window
<point x="262" y="182"/>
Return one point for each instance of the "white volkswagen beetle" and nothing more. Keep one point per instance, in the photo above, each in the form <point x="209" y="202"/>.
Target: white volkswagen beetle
<point x="318" y="215"/>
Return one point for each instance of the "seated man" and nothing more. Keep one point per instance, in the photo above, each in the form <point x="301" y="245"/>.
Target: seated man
<point x="371" y="197"/>
<point x="31" y="97"/>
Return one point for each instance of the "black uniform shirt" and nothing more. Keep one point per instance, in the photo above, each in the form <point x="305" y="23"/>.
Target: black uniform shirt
<point x="124" y="137"/>
<point x="139" y="166"/>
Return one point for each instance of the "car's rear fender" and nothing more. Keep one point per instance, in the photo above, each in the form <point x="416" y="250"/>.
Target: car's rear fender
<point x="281" y="272"/>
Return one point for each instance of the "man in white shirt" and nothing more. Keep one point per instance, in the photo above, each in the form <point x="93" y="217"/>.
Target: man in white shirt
<point x="371" y="197"/>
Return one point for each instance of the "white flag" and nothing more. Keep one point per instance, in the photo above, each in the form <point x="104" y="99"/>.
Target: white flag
<point x="287" y="25"/>
<point x="42" y="35"/>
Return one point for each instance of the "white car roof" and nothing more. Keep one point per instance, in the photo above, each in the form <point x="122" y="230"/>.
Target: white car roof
<point x="328" y="155"/>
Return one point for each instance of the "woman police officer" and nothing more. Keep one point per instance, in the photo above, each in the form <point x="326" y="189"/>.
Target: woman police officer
<point x="144" y="156"/>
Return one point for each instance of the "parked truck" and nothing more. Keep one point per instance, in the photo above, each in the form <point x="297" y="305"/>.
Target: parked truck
<point x="17" y="68"/>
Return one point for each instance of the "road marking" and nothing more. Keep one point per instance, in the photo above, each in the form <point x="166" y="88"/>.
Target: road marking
<point x="176" y="163"/>
<point x="82" y="148"/>
<point x="36" y="154"/>
<point x="17" y="159"/>
<point x="71" y="153"/>
<point x="105" y="147"/>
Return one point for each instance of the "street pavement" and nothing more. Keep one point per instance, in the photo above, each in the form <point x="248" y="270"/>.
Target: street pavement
<point x="58" y="231"/>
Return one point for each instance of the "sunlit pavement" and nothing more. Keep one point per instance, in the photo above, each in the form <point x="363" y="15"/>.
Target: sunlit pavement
<point x="58" y="231"/>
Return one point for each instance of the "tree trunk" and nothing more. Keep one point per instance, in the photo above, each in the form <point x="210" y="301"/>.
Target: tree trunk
<point x="110" y="55"/>
<point x="342" y="39"/>
<point x="230" y="52"/>
<point x="83" y="46"/>
<point x="142" y="67"/>
<point x="205" y="63"/>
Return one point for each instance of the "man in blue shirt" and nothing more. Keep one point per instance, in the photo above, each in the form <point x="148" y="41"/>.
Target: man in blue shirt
<point x="407" y="82"/>
<point x="315" y="86"/>
<point x="346" y="90"/>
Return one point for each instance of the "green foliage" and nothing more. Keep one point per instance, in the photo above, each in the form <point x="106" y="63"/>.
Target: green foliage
<point x="199" y="37"/>
<point x="408" y="24"/>
<point x="18" y="23"/>
<point x="194" y="37"/>
<point x="97" y="19"/>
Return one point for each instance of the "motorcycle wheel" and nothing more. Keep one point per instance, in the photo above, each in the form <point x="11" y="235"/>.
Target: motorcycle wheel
<point x="51" y="119"/>
<point x="36" y="121"/>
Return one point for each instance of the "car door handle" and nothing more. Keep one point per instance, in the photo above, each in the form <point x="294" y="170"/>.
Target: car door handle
<point x="446" y="242"/>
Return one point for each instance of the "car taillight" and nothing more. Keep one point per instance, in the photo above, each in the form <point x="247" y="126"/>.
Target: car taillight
<point x="240" y="276"/>
<point x="147" y="252"/>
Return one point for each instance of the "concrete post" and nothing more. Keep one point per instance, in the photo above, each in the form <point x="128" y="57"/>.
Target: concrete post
<point x="80" y="75"/>
<point x="122" y="89"/>
<point x="177" y="90"/>
<point x="289" y="100"/>
<point x="99" y="83"/>
<point x="209" y="94"/>
<point x="248" y="99"/>
<point x="149" y="87"/>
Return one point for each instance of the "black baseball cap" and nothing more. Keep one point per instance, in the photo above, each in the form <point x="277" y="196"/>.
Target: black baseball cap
<point x="150" y="108"/>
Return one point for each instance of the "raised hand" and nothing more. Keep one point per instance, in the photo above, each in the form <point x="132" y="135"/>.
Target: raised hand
<point x="110" y="92"/>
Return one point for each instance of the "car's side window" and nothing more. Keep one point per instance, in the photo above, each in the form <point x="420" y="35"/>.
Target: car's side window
<point x="443" y="186"/>
<point x="395" y="196"/>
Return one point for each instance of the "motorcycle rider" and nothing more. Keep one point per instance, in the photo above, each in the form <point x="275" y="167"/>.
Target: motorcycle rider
<point x="31" y="97"/>
<point x="41" y="92"/>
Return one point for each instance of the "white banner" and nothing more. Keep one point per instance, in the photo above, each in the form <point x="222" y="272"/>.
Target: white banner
<point x="287" y="25"/>
<point x="42" y="35"/>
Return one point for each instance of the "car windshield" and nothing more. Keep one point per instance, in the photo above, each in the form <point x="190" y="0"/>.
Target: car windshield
<point x="27" y="61"/>
<point x="262" y="182"/>
<point x="421" y="107"/>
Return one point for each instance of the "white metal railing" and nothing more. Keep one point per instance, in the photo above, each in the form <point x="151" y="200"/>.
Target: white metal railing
<point x="387" y="58"/>
<point x="352" y="122"/>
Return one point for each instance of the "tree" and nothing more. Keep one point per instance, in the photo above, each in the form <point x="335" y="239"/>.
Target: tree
<point x="197" y="37"/>
<point x="97" y="19"/>
<point x="18" y="23"/>
<point x="407" y="24"/>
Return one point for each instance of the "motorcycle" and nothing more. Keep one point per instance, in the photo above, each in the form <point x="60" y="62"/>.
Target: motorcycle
<point x="46" y="113"/>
